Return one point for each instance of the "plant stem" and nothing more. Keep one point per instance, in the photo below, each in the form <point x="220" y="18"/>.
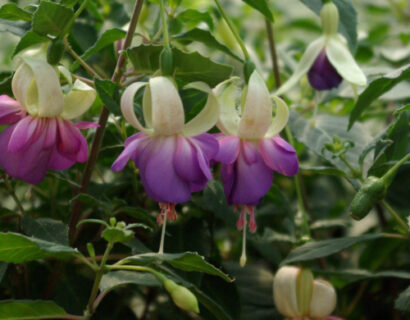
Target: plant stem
<point x="396" y="216"/>
<point x="233" y="30"/>
<point x="389" y="175"/>
<point x="352" y="170"/>
<point x="84" y="64"/>
<point x="97" y="280"/>
<point x="80" y="9"/>
<point x="157" y="274"/>
<point x="273" y="53"/>
<point x="12" y="193"/>
<point x="164" y="225"/>
<point x="164" y="24"/>
<point x="95" y="148"/>
<point x="301" y="202"/>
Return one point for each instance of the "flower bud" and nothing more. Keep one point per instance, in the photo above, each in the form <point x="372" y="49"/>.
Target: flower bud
<point x="330" y="18"/>
<point x="323" y="300"/>
<point x="166" y="62"/>
<point x="372" y="191"/>
<point x="181" y="296"/>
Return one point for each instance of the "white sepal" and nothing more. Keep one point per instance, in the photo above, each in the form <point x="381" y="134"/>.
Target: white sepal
<point x="66" y="74"/>
<point x="343" y="61"/>
<point x="45" y="94"/>
<point x="227" y="93"/>
<point x="78" y="100"/>
<point x="281" y="118"/>
<point x="284" y="291"/>
<point x="167" y="110"/>
<point x="307" y="60"/>
<point x="127" y="106"/>
<point x="257" y="109"/>
<point x="323" y="299"/>
<point x="208" y="116"/>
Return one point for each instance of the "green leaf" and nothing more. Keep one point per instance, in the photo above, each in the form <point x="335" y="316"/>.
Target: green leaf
<point x="10" y="11"/>
<point x="360" y="274"/>
<point x="262" y="6"/>
<point x="375" y="89"/>
<point x="3" y="270"/>
<point x="270" y="235"/>
<point x="30" y="310"/>
<point x="46" y="229"/>
<point x="5" y="83"/>
<point x="113" y="280"/>
<point x="115" y="234"/>
<point x="402" y="303"/>
<point x="195" y="17"/>
<point x="187" y="261"/>
<point x="347" y="16"/>
<point x="29" y="39"/>
<point x="106" y="39"/>
<point x="189" y="67"/>
<point x="206" y="38"/>
<point x="319" y="249"/>
<point x="52" y="18"/>
<point x="17" y="248"/>
<point x="109" y="93"/>
<point x="329" y="223"/>
<point x="322" y="170"/>
<point x="402" y="109"/>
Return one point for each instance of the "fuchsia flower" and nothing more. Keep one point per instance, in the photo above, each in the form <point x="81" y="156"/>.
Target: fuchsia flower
<point x="41" y="135"/>
<point x="250" y="148"/>
<point x="173" y="157"/>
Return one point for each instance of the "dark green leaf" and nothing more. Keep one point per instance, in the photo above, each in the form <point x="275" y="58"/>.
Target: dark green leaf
<point x="17" y="248"/>
<point x="188" y="66"/>
<point x="375" y="89"/>
<point x="195" y="17"/>
<point x="319" y="249"/>
<point x="329" y="223"/>
<point x="360" y="274"/>
<point x="30" y="310"/>
<point x="401" y="109"/>
<point x="10" y="11"/>
<point x="347" y="16"/>
<point x="116" y="279"/>
<point x="402" y="303"/>
<point x="52" y="18"/>
<point x="208" y="39"/>
<point x="3" y="269"/>
<point x="187" y="261"/>
<point x="46" y="229"/>
<point x="109" y="94"/>
<point x="115" y="234"/>
<point x="262" y="6"/>
<point x="106" y="39"/>
<point x="29" y="39"/>
<point x="5" y="83"/>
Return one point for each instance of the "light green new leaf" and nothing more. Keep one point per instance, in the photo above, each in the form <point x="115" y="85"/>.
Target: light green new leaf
<point x="10" y="11"/>
<point x="30" y="310"/>
<point x="262" y="6"/>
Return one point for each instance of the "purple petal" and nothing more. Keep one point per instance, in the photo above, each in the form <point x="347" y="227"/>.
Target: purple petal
<point x="186" y="161"/>
<point x="30" y="163"/>
<point x="246" y="183"/>
<point x="208" y="144"/>
<point x="86" y="125"/>
<point x="133" y="147"/>
<point x="69" y="139"/>
<point x="158" y="174"/>
<point x="228" y="149"/>
<point x="250" y="153"/>
<point x="23" y="133"/>
<point x="322" y="75"/>
<point x="279" y="155"/>
<point x="10" y="110"/>
<point x="58" y="161"/>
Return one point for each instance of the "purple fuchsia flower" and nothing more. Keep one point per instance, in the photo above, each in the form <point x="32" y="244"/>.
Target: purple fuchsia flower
<point x="41" y="134"/>
<point x="250" y="148"/>
<point x="173" y="157"/>
<point x="327" y="60"/>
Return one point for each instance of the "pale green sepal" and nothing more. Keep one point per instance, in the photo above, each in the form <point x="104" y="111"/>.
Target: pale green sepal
<point x="78" y="100"/>
<point x="227" y="93"/>
<point x="307" y="60"/>
<point x="304" y="288"/>
<point x="46" y="95"/>
<point x="281" y="118"/>
<point x="323" y="299"/>
<point x="20" y="83"/>
<point x="147" y="107"/>
<point x="168" y="116"/>
<point x="208" y="116"/>
<point x="330" y="18"/>
<point x="127" y="106"/>
<point x="343" y="61"/>
<point x="284" y="291"/>
<point x="257" y="110"/>
<point x="66" y="74"/>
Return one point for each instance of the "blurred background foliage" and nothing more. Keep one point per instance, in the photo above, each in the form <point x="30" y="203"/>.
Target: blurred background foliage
<point x="206" y="224"/>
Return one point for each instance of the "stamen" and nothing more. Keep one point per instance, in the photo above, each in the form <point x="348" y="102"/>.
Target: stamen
<point x="164" y="214"/>
<point x="252" y="222"/>
<point x="242" y="216"/>
<point x="242" y="260"/>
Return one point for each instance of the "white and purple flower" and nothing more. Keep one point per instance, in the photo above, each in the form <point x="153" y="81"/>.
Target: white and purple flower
<point x="327" y="60"/>
<point x="41" y="135"/>
<point x="173" y="157"/>
<point x="250" y="148"/>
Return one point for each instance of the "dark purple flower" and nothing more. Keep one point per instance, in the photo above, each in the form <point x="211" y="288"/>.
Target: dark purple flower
<point x="322" y="75"/>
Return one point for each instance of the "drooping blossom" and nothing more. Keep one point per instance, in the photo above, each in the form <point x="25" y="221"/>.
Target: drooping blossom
<point x="250" y="148"/>
<point x="327" y="60"/>
<point x="41" y="135"/>
<point x="297" y="295"/>
<point x="173" y="157"/>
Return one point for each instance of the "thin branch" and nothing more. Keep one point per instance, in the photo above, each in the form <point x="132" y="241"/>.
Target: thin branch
<point x="273" y="53"/>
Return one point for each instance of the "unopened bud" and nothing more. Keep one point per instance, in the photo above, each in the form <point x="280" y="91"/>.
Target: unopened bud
<point x="323" y="300"/>
<point x="181" y="296"/>
<point x="113" y="221"/>
<point x="372" y="191"/>
<point x="330" y="18"/>
<point x="166" y="61"/>
<point x="304" y="287"/>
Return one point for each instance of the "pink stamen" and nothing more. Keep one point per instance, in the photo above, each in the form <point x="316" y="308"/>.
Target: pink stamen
<point x="252" y="222"/>
<point x="240" y="222"/>
<point x="246" y="210"/>
<point x="169" y="210"/>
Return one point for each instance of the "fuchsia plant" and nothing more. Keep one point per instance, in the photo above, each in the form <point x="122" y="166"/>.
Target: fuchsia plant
<point x="41" y="135"/>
